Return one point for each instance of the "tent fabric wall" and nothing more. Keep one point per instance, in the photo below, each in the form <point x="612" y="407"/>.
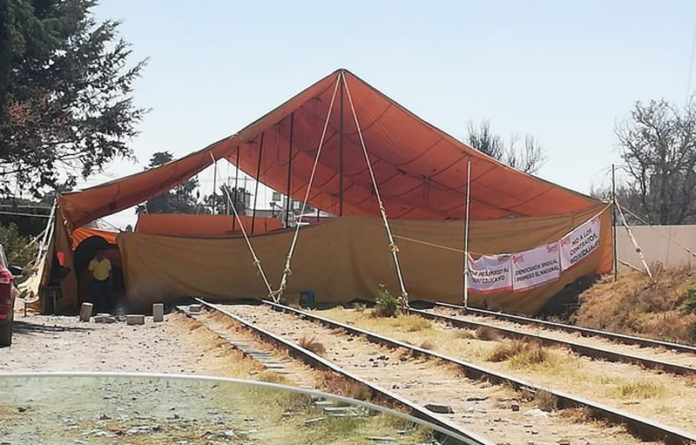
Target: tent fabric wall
<point x="203" y="225"/>
<point x="346" y="258"/>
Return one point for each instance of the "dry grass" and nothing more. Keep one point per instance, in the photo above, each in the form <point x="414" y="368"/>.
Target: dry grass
<point x="336" y="384"/>
<point x="636" y="305"/>
<point x="577" y="415"/>
<point x="411" y="323"/>
<point x="312" y="344"/>
<point x="269" y="376"/>
<point x="519" y="353"/>
<point x="546" y="401"/>
<point x="360" y="307"/>
<point x="464" y="334"/>
<point x="641" y="389"/>
<point x="427" y="345"/>
<point x="487" y="334"/>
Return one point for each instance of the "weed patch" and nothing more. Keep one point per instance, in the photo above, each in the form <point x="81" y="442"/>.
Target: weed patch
<point x="546" y="401"/>
<point x="336" y="384"/>
<point x="427" y="345"/>
<point x="487" y="334"/>
<point x="519" y="353"/>
<point x="269" y="376"/>
<point x="411" y="323"/>
<point x="386" y="305"/>
<point x="642" y="389"/>
<point x="312" y="344"/>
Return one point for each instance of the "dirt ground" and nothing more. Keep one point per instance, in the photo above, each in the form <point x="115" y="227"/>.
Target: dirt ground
<point x="176" y="346"/>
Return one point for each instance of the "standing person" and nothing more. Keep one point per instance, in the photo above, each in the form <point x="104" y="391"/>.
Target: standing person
<point x="100" y="268"/>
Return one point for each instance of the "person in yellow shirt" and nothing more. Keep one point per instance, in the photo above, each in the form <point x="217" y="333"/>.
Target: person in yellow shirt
<point x="100" y="268"/>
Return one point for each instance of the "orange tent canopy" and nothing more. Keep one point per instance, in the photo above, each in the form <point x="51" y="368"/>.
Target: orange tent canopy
<point x="420" y="170"/>
<point x="202" y="225"/>
<point x="82" y="233"/>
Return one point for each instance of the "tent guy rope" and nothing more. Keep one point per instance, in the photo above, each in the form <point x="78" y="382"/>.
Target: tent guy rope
<point x="287" y="271"/>
<point x="633" y="240"/>
<point x="392" y="244"/>
<point x="257" y="262"/>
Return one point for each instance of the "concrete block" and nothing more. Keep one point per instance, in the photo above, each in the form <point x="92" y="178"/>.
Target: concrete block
<point x="195" y="308"/>
<point x="135" y="319"/>
<point x="101" y="318"/>
<point x="85" y="311"/>
<point x="158" y="312"/>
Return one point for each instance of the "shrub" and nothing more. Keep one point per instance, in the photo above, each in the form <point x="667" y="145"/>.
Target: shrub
<point x="387" y="304"/>
<point x="689" y="305"/>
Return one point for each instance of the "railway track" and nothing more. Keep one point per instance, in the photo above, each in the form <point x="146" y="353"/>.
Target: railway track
<point x="643" y="428"/>
<point x="546" y="339"/>
<point x="587" y="332"/>
<point x="459" y="435"/>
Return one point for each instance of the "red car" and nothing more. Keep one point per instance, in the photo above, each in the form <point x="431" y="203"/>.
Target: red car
<point x="7" y="297"/>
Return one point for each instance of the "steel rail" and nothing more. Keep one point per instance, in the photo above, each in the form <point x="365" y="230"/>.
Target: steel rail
<point x="315" y="361"/>
<point x="579" y="348"/>
<point x="615" y="336"/>
<point x="643" y="428"/>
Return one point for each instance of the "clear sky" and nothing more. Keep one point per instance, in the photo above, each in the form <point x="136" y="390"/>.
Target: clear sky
<point x="564" y="72"/>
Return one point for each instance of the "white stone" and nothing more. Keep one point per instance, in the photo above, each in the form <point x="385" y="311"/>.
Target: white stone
<point x="158" y="312"/>
<point x="85" y="311"/>
<point x="135" y="319"/>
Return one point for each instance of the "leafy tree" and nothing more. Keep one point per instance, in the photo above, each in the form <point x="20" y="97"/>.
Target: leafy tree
<point x="65" y="92"/>
<point x="658" y="146"/>
<point x="180" y="199"/>
<point x="17" y="247"/>
<point x="220" y="201"/>
<point x="527" y="156"/>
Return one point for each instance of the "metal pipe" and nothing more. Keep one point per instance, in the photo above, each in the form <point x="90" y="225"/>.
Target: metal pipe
<point x="287" y="193"/>
<point x="340" y="150"/>
<point x="256" y="189"/>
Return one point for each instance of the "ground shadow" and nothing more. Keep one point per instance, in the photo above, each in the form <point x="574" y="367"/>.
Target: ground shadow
<point x="26" y="327"/>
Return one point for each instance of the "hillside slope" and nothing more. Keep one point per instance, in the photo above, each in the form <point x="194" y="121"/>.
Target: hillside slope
<point x="636" y="305"/>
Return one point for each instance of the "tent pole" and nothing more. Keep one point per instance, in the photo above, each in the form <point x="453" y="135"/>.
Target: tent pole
<point x="466" y="236"/>
<point x="213" y="204"/>
<point x="287" y="193"/>
<point x="256" y="189"/>
<point x="340" y="149"/>
<point x="613" y="222"/>
<point x="236" y="184"/>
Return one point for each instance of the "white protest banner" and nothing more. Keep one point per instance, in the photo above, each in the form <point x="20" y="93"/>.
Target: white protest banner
<point x="579" y="243"/>
<point x="490" y="273"/>
<point x="535" y="267"/>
